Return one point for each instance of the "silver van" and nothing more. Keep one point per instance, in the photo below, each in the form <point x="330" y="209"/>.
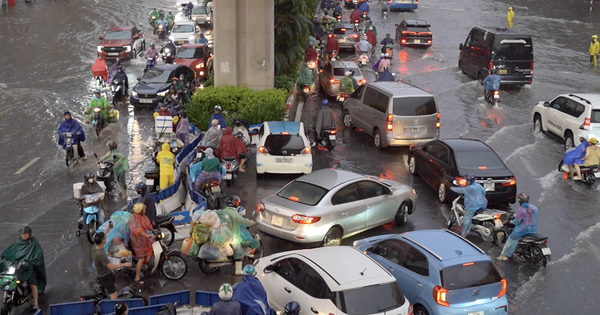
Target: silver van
<point x="394" y="114"/>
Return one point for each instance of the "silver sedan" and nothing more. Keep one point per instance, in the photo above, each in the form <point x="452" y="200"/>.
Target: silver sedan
<point x="328" y="205"/>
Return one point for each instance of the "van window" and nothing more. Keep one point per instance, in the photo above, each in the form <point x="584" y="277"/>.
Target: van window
<point x="414" y="106"/>
<point x="595" y="116"/>
<point x="340" y="72"/>
<point x="376" y="99"/>
<point x="513" y="49"/>
<point x="470" y="275"/>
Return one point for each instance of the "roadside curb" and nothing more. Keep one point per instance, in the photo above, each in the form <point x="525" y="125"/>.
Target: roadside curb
<point x="298" y="116"/>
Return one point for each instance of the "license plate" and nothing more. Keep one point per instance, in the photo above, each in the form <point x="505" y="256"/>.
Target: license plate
<point x="414" y="131"/>
<point x="306" y="90"/>
<point x="476" y="313"/>
<point x="489" y="186"/>
<point x="546" y="251"/>
<point x="181" y="42"/>
<point x="215" y="189"/>
<point x="502" y="71"/>
<point x="227" y="176"/>
<point x="498" y="223"/>
<point x="145" y="100"/>
<point x="113" y="54"/>
<point x="149" y="182"/>
<point x="496" y="96"/>
<point x="331" y="137"/>
<point x="342" y="40"/>
<point x="418" y="41"/>
<point x="341" y="99"/>
<point x="284" y="160"/>
<point x="275" y="220"/>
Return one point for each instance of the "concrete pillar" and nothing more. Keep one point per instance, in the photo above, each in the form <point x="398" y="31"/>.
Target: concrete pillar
<point x="244" y="43"/>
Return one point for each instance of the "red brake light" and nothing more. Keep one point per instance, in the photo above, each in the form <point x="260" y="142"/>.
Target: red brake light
<point x="482" y="167"/>
<point x="511" y="182"/>
<point x="343" y="29"/>
<point x="262" y="150"/>
<point x="292" y="198"/>
<point x="461" y="181"/>
<point x="468" y="264"/>
<point x="303" y="219"/>
<point x="491" y="65"/>
<point x="440" y="296"/>
<point x="261" y="207"/>
<point x="503" y="291"/>
<point x="306" y="150"/>
<point x="437" y="124"/>
<point x="410" y="309"/>
<point x="424" y="33"/>
<point x="586" y="124"/>
<point x="404" y="40"/>
<point x="390" y="122"/>
<point x="354" y="35"/>
<point x="334" y="81"/>
<point x="331" y="132"/>
<point x="285" y="133"/>
<point x="363" y="81"/>
<point x="429" y="41"/>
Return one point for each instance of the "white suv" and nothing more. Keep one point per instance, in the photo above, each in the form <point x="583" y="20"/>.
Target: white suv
<point x="331" y="280"/>
<point x="569" y="116"/>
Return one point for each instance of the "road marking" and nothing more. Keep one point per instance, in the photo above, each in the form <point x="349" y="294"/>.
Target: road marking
<point x="5" y="111"/>
<point x="528" y="167"/>
<point x="27" y="165"/>
<point x="405" y="158"/>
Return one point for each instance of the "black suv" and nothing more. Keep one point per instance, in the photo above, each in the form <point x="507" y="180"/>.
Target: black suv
<point x="414" y="33"/>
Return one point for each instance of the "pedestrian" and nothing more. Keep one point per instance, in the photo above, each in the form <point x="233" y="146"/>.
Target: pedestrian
<point x="594" y="50"/>
<point x="104" y="268"/>
<point x="509" y="17"/>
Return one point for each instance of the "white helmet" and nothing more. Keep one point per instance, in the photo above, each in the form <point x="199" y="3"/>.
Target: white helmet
<point x="225" y="291"/>
<point x="348" y="73"/>
<point x="382" y="55"/>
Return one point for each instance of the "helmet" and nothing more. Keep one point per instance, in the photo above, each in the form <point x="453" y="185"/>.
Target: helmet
<point x="26" y="230"/>
<point x="141" y="186"/>
<point x="118" y="60"/>
<point x="237" y="122"/>
<point x="218" y="107"/>
<point x="169" y="42"/>
<point x="365" y="37"/>
<point x="388" y="35"/>
<point x="120" y="308"/>
<point x="470" y="178"/>
<point x="234" y="201"/>
<point x="382" y="55"/>
<point x="348" y="73"/>
<point x="175" y="79"/>
<point x="225" y="292"/>
<point x="325" y="103"/>
<point x="249" y="270"/>
<point x="292" y="308"/>
<point x="97" y="91"/>
<point x="386" y="55"/>
<point x="523" y="198"/>
<point x="152" y="44"/>
<point x="112" y="145"/>
<point x="88" y="175"/>
<point x="370" y="28"/>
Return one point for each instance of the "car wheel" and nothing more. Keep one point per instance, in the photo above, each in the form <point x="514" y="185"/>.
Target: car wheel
<point x="442" y="193"/>
<point x="402" y="214"/>
<point x="569" y="143"/>
<point x="480" y="78"/>
<point x="134" y="54"/>
<point x="412" y="166"/>
<point x="420" y="310"/>
<point x="377" y="139"/>
<point x="347" y="120"/>
<point x="333" y="237"/>
<point x="461" y="67"/>
<point x="537" y="125"/>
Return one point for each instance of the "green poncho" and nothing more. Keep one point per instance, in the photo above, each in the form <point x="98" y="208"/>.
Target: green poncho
<point x="346" y="85"/>
<point x="305" y="76"/>
<point x="121" y="164"/>
<point x="31" y="251"/>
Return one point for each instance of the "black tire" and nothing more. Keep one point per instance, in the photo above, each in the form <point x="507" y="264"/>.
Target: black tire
<point x="91" y="231"/>
<point x="347" y="120"/>
<point x="537" y="124"/>
<point x="377" y="141"/>
<point x="490" y="226"/>
<point x="460" y="66"/>
<point x="203" y="265"/>
<point x="172" y="271"/>
<point x="229" y="182"/>
<point x="211" y="202"/>
<point x="6" y="308"/>
<point x="569" y="143"/>
<point x="134" y="54"/>
<point x="442" y="193"/>
<point x="412" y="166"/>
<point x="451" y="220"/>
<point x="592" y="181"/>
<point x="333" y="237"/>
<point x="500" y="237"/>
<point x="402" y="214"/>
<point x="537" y="257"/>
<point x="169" y="237"/>
<point x="69" y="156"/>
<point x="98" y="128"/>
<point x="480" y="78"/>
<point x="420" y="310"/>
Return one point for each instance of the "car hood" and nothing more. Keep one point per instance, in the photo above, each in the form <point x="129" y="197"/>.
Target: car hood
<point x="182" y="35"/>
<point x="190" y="62"/>
<point x="150" y="88"/>
<point x="115" y="42"/>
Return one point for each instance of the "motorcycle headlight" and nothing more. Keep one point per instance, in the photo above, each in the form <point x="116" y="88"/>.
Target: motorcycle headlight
<point x="11" y="270"/>
<point x="192" y="38"/>
<point x="134" y="93"/>
<point x="128" y="48"/>
<point x="96" y="109"/>
<point x="100" y="48"/>
<point x="171" y="37"/>
<point x="200" y="65"/>
<point x="163" y="93"/>
<point x="167" y="50"/>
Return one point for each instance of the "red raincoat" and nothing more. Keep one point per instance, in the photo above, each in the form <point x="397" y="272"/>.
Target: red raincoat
<point x="230" y="145"/>
<point x="372" y="38"/>
<point x="355" y="16"/>
<point x="99" y="69"/>
<point x="311" y="53"/>
<point x="141" y="245"/>
<point x="332" y="44"/>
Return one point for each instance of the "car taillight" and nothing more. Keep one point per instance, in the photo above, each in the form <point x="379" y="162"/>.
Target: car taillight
<point x="306" y="150"/>
<point x="503" y="291"/>
<point x="363" y="81"/>
<point x="437" y="124"/>
<point x="461" y="181"/>
<point x="531" y="70"/>
<point x="511" y="182"/>
<point x="586" y="125"/>
<point x="262" y="150"/>
<point x="410" y="309"/>
<point x="404" y="40"/>
<point x="355" y="36"/>
<point x="304" y="219"/>
<point x="261" y="207"/>
<point x="409" y="32"/>
<point x="440" y="296"/>
<point x="424" y="33"/>
<point x="429" y="41"/>
<point x="334" y="81"/>
<point x="390" y="122"/>
<point x="490" y="65"/>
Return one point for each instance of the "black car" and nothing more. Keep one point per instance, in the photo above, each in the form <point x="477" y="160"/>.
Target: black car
<point x="154" y="85"/>
<point x="442" y="163"/>
<point x="414" y="33"/>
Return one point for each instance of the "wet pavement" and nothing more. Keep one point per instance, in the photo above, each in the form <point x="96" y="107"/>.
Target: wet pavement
<point x="50" y="47"/>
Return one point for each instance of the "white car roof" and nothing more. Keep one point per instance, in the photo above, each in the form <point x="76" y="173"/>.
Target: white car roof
<point x="594" y="98"/>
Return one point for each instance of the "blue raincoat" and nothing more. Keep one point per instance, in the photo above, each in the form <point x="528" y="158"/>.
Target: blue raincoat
<point x="575" y="155"/>
<point x="363" y="7"/>
<point x="218" y="117"/>
<point x="252" y="297"/>
<point x="386" y="76"/>
<point x="492" y="82"/>
<point x="73" y="127"/>
<point x="526" y="220"/>
<point x="474" y="196"/>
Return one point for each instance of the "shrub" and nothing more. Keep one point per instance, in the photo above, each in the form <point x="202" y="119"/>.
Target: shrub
<point x="237" y="103"/>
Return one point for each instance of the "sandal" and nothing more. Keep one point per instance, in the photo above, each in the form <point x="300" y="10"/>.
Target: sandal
<point x="140" y="282"/>
<point x="36" y="307"/>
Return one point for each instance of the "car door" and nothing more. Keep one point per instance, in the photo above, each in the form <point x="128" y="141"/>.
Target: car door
<point x="365" y="113"/>
<point x="312" y="293"/>
<point x="354" y="103"/>
<point x="438" y="163"/>
<point x="381" y="205"/>
<point x="554" y="115"/>
<point x="349" y="208"/>
<point x="424" y="160"/>
<point x="281" y="282"/>
<point x="413" y="270"/>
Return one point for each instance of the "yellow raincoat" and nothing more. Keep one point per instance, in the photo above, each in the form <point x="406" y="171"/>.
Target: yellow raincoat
<point x="509" y="17"/>
<point x="166" y="160"/>
<point x="594" y="50"/>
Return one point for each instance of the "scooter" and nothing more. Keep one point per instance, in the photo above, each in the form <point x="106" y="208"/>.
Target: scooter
<point x="16" y="291"/>
<point x="338" y="19"/>
<point x="589" y="174"/>
<point x="327" y="140"/>
<point x="212" y="191"/>
<point x="312" y="65"/>
<point x="385" y="15"/>
<point x="485" y="222"/>
<point x="305" y="91"/>
<point x="70" y="152"/>
<point x="152" y="22"/>
<point x="333" y="56"/>
<point x="165" y="221"/>
<point x="231" y="167"/>
<point x="531" y="248"/>
<point x="105" y="174"/>
<point x="116" y="87"/>
<point x="492" y="97"/>
<point x="150" y="62"/>
<point x="356" y="26"/>
<point x="98" y="123"/>
<point x="171" y="263"/>
<point x="92" y="215"/>
<point x="363" y="58"/>
<point x="161" y="31"/>
<point x="167" y="56"/>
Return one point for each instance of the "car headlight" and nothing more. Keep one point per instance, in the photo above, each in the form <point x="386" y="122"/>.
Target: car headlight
<point x="192" y="38"/>
<point x="163" y="93"/>
<point x="128" y="48"/>
<point x="200" y="65"/>
<point x="134" y="93"/>
<point x="100" y="48"/>
<point x="193" y="18"/>
<point x="208" y="18"/>
<point x="171" y="38"/>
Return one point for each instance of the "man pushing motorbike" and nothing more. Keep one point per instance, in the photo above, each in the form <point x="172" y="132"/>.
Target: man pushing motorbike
<point x="474" y="200"/>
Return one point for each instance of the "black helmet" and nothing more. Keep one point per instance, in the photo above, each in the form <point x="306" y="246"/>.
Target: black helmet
<point x="112" y="145"/>
<point x="88" y="175"/>
<point x="470" y="178"/>
<point x="523" y="198"/>
<point x="292" y="308"/>
<point x="118" y="60"/>
<point x="26" y="230"/>
<point x="237" y="122"/>
<point x="234" y="201"/>
<point x="141" y="186"/>
<point x="493" y="71"/>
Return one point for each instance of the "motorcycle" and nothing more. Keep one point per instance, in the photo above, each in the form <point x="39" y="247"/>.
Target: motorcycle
<point x="165" y="221"/>
<point x="171" y="263"/>
<point x="531" y="248"/>
<point x="385" y="15"/>
<point x="364" y="16"/>
<point x="212" y="192"/>
<point x="167" y="56"/>
<point x="492" y="97"/>
<point x="161" y="31"/>
<point x="150" y="62"/>
<point x="363" y="58"/>
<point x="152" y="22"/>
<point x="305" y="91"/>
<point x="70" y="152"/>
<point x="92" y="214"/>
<point x="589" y="174"/>
<point x="333" y="56"/>
<point x="117" y="89"/>
<point x="16" y="291"/>
<point x="152" y="179"/>
<point x="338" y="19"/>
<point x="327" y="140"/>
<point x="356" y="26"/>
<point x="341" y="97"/>
<point x="312" y="65"/>
<point x="105" y="174"/>
<point x="231" y="167"/>
<point x="98" y="123"/>
<point x="485" y="222"/>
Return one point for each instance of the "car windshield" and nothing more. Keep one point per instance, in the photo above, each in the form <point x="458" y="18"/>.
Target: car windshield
<point x="513" y="49"/>
<point x="190" y="53"/>
<point x="339" y="31"/>
<point x="200" y="10"/>
<point x="156" y="76"/>
<point x="284" y="144"/>
<point x="478" y="161"/>
<point x="340" y="72"/>
<point x="118" y="35"/>
<point x="372" y="299"/>
<point x="302" y="192"/>
<point x="469" y="275"/>
<point x="414" y="106"/>
<point x="183" y="28"/>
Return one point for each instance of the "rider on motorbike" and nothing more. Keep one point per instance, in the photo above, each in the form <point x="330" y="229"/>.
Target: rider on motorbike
<point x="386" y="75"/>
<point x="226" y="306"/>
<point x="212" y="137"/>
<point x="346" y="85"/>
<point x="154" y="13"/>
<point x="363" y="47"/>
<point x="239" y="127"/>
<point x="122" y="77"/>
<point x="244" y="243"/>
<point x="90" y="186"/>
<point x="305" y="77"/>
<point x="231" y="146"/>
<point x="384" y="63"/>
<point x="121" y="166"/>
<point x="388" y="40"/>
<point x="162" y="21"/>
<point x="170" y="50"/>
<point x="188" y="9"/>
<point x="474" y="200"/>
<point x="170" y="18"/>
<point x="202" y="39"/>
<point x="591" y="157"/>
<point x="492" y="83"/>
<point x="104" y="268"/>
<point x="332" y="45"/>
<point x="364" y="7"/>
<point x="355" y="16"/>
<point x="211" y="168"/>
<point x="325" y="120"/>
<point x="113" y="69"/>
<point x="99" y="100"/>
<point x="27" y="249"/>
<point x="141" y="240"/>
<point x="525" y="222"/>
<point x="72" y="126"/>
<point x="251" y="294"/>
<point x="337" y="10"/>
<point x="152" y="52"/>
<point x="218" y="116"/>
<point x="371" y="37"/>
<point x="385" y="7"/>
<point x="146" y="199"/>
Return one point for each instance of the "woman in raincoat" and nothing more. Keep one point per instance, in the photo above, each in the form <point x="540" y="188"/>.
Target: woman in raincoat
<point x="166" y="160"/>
<point x="141" y="240"/>
<point x="306" y="77"/>
<point x="183" y="128"/>
<point x="121" y="166"/>
<point x="525" y="222"/>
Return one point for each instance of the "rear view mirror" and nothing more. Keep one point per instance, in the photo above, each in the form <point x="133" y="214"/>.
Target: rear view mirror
<point x="101" y="37"/>
<point x="428" y="25"/>
<point x="268" y="269"/>
<point x="546" y="104"/>
<point x="369" y="250"/>
<point x="460" y="46"/>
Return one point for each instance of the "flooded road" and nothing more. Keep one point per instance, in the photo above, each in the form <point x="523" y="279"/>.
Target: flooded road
<point x="49" y="48"/>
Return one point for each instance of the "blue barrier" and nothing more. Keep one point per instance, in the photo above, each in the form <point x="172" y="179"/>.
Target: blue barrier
<point x="108" y="306"/>
<point x="181" y="297"/>
<point x="205" y="298"/>
<point x="146" y="310"/>
<point x="79" y="308"/>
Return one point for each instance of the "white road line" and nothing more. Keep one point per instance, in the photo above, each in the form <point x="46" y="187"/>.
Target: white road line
<point x="528" y="167"/>
<point x="27" y="165"/>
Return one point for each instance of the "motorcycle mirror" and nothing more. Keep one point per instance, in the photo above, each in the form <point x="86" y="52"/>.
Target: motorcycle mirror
<point x="139" y="78"/>
<point x="95" y="155"/>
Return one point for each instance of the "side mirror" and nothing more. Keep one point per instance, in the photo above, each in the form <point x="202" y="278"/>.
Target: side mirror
<point x="369" y="250"/>
<point x="136" y="36"/>
<point x="389" y="192"/>
<point x="428" y="25"/>
<point x="455" y="182"/>
<point x="460" y="46"/>
<point x="396" y="25"/>
<point x="139" y="78"/>
<point x="268" y="269"/>
<point x="101" y="37"/>
<point x="546" y="104"/>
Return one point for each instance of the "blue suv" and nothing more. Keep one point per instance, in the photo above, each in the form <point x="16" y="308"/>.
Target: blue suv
<point x="440" y="272"/>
